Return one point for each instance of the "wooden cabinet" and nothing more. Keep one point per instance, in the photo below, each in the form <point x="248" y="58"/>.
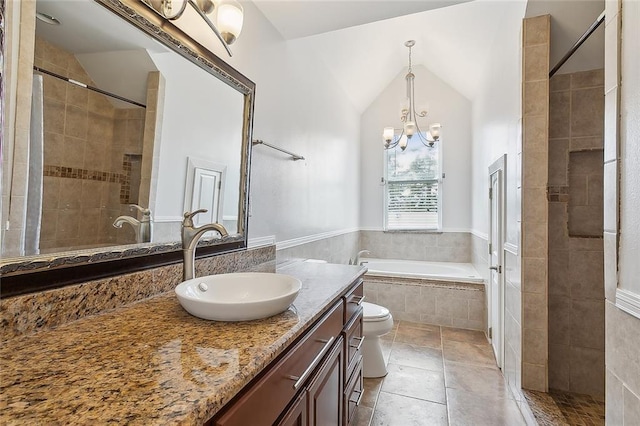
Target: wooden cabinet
<point x="353" y="339"/>
<point x="325" y="391"/>
<point x="314" y="382"/>
<point x="296" y="415"/>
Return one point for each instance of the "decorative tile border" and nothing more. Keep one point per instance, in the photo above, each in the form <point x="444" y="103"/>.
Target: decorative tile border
<point x="558" y="194"/>
<point x="84" y="174"/>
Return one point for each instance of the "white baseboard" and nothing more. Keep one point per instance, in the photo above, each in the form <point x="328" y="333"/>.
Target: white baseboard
<point x="269" y="240"/>
<point x="628" y="301"/>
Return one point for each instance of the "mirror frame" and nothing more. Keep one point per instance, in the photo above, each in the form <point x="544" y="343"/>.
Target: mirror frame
<point x="37" y="273"/>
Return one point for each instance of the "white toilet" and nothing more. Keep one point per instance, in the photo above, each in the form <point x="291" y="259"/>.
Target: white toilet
<point x="376" y="322"/>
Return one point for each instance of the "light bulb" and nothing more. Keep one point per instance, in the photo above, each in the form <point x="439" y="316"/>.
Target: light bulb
<point x="434" y="129"/>
<point x="230" y="19"/>
<point x="387" y="134"/>
<point x="403" y="142"/>
<point x="409" y="128"/>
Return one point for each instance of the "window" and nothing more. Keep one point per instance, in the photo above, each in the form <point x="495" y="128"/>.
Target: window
<point x="413" y="187"/>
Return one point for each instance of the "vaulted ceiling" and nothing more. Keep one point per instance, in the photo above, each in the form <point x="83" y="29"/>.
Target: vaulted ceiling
<point x="364" y="46"/>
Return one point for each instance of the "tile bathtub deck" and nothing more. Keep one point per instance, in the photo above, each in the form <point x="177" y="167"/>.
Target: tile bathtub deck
<point x="437" y="376"/>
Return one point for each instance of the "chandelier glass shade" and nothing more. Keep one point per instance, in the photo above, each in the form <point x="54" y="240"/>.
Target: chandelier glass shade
<point x="409" y="117"/>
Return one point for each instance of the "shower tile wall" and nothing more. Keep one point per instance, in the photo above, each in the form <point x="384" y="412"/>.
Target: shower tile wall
<point x="576" y="271"/>
<point x="526" y="331"/>
<point x="91" y="150"/>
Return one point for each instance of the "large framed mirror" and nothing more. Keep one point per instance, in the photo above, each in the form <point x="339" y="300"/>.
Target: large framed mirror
<point x="131" y="123"/>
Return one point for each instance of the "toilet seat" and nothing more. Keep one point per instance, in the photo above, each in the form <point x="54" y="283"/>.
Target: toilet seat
<point x="374" y="313"/>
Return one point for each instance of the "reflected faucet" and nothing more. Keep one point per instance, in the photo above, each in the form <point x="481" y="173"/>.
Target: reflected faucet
<point x="360" y="253"/>
<point x="141" y="227"/>
<point x="190" y="237"/>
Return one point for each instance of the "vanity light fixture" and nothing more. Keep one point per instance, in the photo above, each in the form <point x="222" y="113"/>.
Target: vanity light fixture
<point x="229" y="15"/>
<point x="408" y="116"/>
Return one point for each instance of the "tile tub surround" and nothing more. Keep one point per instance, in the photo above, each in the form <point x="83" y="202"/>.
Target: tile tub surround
<point x="427" y="246"/>
<point x="152" y="362"/>
<point x="335" y="249"/>
<point x="44" y="310"/>
<point x="446" y="303"/>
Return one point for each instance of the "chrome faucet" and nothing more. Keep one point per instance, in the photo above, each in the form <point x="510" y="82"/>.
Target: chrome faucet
<point x="190" y="237"/>
<point x="141" y="227"/>
<point x="360" y="253"/>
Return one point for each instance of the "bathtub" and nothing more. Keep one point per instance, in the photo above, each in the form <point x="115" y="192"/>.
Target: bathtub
<point x="436" y="293"/>
<point x="439" y="271"/>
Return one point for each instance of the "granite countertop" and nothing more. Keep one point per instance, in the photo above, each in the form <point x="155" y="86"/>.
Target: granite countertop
<point x="151" y="362"/>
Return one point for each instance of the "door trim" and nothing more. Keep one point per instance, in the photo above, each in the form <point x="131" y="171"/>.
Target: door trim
<point x="498" y="167"/>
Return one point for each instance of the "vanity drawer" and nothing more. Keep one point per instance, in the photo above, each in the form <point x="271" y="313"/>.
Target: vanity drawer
<point x="353" y="301"/>
<point x="265" y="400"/>
<point x="353" y="342"/>
<point x="353" y="392"/>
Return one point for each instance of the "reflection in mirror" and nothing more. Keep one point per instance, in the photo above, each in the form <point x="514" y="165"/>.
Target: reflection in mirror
<point x="125" y="135"/>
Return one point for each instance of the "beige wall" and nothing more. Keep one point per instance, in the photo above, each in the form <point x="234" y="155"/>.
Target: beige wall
<point x="576" y="276"/>
<point x="622" y="168"/>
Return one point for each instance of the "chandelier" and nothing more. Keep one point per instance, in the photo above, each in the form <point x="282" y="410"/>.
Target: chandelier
<point x="409" y="117"/>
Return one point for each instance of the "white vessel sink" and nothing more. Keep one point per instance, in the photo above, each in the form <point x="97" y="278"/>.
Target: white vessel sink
<point x="238" y="296"/>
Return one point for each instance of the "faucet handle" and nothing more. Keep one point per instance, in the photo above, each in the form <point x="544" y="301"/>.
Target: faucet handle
<point x="188" y="216"/>
<point x="145" y="212"/>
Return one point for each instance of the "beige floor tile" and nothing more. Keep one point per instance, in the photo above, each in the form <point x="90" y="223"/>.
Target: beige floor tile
<point x="386" y="346"/>
<point x="415" y="383"/>
<point x="428" y="335"/>
<point x="362" y="417"/>
<point x="416" y="356"/>
<point x="371" y="390"/>
<point x="397" y="410"/>
<point x="484" y="381"/>
<point x="392" y="334"/>
<point x="460" y="335"/>
<point x="431" y="327"/>
<point x="469" y="409"/>
<point x="468" y="353"/>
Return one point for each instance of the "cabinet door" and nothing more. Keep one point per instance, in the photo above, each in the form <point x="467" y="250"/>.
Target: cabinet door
<point x="297" y="413"/>
<point x="326" y="389"/>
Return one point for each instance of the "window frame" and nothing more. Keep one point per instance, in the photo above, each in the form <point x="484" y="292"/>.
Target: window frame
<point x="439" y="180"/>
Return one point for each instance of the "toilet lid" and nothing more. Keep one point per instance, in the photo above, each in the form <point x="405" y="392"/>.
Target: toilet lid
<point x="373" y="311"/>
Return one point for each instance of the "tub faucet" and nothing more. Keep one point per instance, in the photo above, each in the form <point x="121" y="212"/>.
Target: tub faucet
<point x="141" y="227"/>
<point x="360" y="253"/>
<point x="190" y="237"/>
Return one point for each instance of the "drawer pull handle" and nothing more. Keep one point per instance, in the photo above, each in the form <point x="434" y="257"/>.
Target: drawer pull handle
<point x="359" y="345"/>
<point x="360" y="394"/>
<point x="357" y="300"/>
<point x="303" y="377"/>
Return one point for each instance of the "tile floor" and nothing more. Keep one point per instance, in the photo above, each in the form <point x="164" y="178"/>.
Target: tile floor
<point x="559" y="408"/>
<point x="579" y="410"/>
<point x="437" y="376"/>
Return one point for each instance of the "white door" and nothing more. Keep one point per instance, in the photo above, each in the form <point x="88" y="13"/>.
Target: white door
<point x="206" y="193"/>
<point x="496" y="242"/>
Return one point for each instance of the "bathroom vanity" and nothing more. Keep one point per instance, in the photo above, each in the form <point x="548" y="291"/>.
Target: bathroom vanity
<point x="153" y="363"/>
